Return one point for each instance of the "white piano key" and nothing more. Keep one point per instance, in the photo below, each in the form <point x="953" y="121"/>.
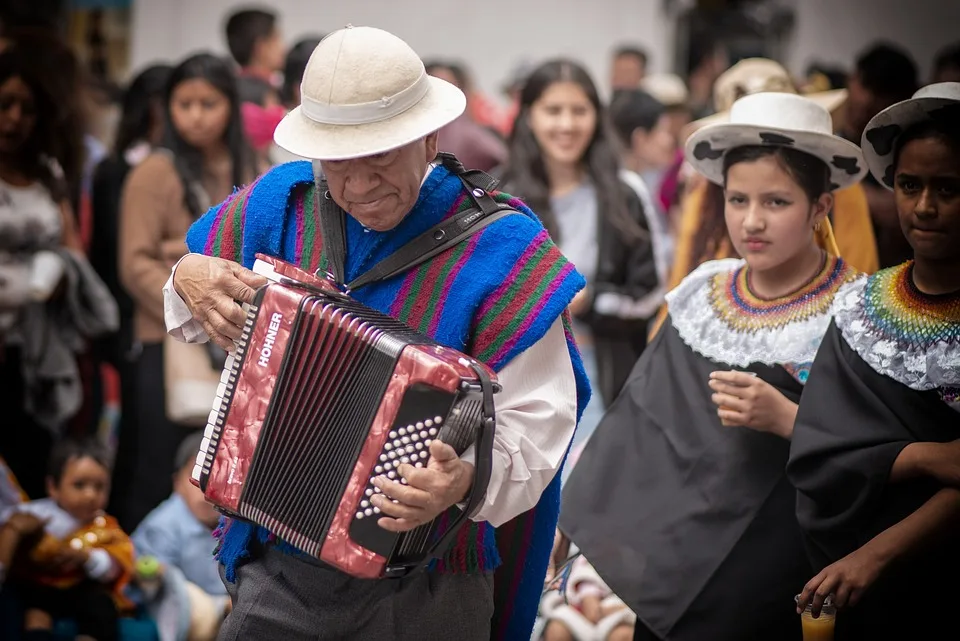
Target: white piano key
<point x="205" y="445"/>
<point x="197" y="471"/>
<point x="210" y="431"/>
<point x="221" y="390"/>
<point x="201" y="456"/>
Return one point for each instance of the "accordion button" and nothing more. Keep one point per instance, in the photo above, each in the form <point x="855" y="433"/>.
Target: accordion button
<point x="418" y="464"/>
<point x="376" y="510"/>
<point x="393" y="434"/>
<point x="383" y="457"/>
<point x="427" y="442"/>
<point x="387" y="466"/>
<point x="419" y="446"/>
<point x="420" y="426"/>
<point x="433" y="431"/>
<point x="438" y="420"/>
<point x="377" y="490"/>
<point x="391" y="474"/>
<point x="405" y="460"/>
<point x="414" y="457"/>
<point x="410" y="449"/>
<point x="364" y="503"/>
<point x="428" y="423"/>
<point x="388" y="447"/>
<point x="378" y="469"/>
<point x="359" y="515"/>
<point x="405" y="440"/>
<point x="368" y="511"/>
<point x="401" y="431"/>
<point x="369" y="492"/>
<point x="403" y="481"/>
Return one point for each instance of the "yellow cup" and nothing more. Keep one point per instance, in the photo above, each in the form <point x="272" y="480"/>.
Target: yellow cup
<point x="820" y="628"/>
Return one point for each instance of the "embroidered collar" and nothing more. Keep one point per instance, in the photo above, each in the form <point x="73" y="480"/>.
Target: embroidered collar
<point x="902" y="333"/>
<point x="718" y="316"/>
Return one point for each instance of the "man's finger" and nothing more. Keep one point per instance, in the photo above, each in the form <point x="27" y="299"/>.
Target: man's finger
<point x="397" y="525"/>
<point x="218" y="338"/>
<point x="249" y="278"/>
<point x="227" y="308"/>
<point x="807" y="593"/>
<point x="821" y="594"/>
<point x="729" y="402"/>
<point x="440" y="452"/>
<point x="223" y="326"/>
<point x="405" y="494"/>
<point x="397" y="510"/>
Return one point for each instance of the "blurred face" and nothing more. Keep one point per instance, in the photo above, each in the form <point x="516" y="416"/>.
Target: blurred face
<point x="656" y="148"/>
<point x="18" y="115"/>
<point x="862" y="105"/>
<point x="768" y="215"/>
<point x="444" y="73"/>
<point x="271" y="52"/>
<point x="379" y="191"/>
<point x="83" y="489"/>
<point x="949" y="73"/>
<point x="627" y="72"/>
<point x="193" y="497"/>
<point x="200" y="112"/>
<point x="927" y="191"/>
<point x="563" y="121"/>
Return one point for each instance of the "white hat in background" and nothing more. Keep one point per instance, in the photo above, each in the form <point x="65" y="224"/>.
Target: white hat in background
<point x="755" y="75"/>
<point x="364" y="92"/>
<point x="879" y="140"/>
<point x="778" y="119"/>
<point x="669" y="89"/>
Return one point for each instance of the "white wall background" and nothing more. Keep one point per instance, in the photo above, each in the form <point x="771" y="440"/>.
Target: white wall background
<point x="491" y="36"/>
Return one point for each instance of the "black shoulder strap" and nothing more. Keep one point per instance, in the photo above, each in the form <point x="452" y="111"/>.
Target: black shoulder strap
<point x="439" y="238"/>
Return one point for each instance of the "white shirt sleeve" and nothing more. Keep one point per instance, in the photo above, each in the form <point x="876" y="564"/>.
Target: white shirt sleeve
<point x="179" y="320"/>
<point x="536" y="417"/>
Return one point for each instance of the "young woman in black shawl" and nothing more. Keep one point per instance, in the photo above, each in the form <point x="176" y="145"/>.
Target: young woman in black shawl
<point x="875" y="455"/>
<point x="680" y="499"/>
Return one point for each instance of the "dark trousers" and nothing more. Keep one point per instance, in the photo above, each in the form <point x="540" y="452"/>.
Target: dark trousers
<point x="24" y="444"/>
<point x="156" y="441"/>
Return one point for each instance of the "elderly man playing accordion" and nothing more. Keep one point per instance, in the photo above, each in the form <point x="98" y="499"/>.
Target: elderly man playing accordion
<point x="369" y="118"/>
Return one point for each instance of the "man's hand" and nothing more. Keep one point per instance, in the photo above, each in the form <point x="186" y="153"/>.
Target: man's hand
<point x="25" y="524"/>
<point x="428" y="491"/>
<point x="211" y="288"/>
<point x="749" y="401"/>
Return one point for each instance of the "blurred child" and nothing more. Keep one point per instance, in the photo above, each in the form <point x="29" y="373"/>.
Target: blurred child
<point x="179" y="535"/>
<point x="71" y="560"/>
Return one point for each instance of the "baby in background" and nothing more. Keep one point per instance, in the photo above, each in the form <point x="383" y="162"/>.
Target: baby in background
<point x="71" y="560"/>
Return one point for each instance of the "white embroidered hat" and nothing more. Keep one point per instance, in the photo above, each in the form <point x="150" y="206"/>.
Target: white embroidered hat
<point x="879" y="141"/>
<point x="364" y="92"/>
<point x="779" y="119"/>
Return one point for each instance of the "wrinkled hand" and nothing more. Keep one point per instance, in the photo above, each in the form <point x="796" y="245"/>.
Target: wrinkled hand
<point x="211" y="288"/>
<point x="429" y="491"/>
<point x="25" y="524"/>
<point x="844" y="581"/>
<point x="749" y="401"/>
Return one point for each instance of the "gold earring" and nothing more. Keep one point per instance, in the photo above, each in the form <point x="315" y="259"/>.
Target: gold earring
<point x="816" y="227"/>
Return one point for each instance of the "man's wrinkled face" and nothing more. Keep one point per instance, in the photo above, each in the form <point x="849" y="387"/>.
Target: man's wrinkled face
<point x="379" y="191"/>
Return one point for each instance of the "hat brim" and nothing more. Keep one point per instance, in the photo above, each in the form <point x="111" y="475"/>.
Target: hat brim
<point x="301" y="136"/>
<point x="830" y="100"/>
<point x="879" y="141"/>
<point x="705" y="150"/>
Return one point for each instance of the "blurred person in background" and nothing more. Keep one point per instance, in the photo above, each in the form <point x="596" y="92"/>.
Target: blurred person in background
<point x="670" y="91"/>
<point x="204" y="156"/>
<point x="648" y="148"/>
<point x="256" y="44"/>
<point x="946" y="64"/>
<point x="139" y="132"/>
<point x="707" y="58"/>
<point x="884" y="74"/>
<point x="293" y="68"/>
<point x="51" y="301"/>
<point x="476" y="146"/>
<point x="261" y="111"/>
<point x="628" y="67"/>
<point x="564" y="163"/>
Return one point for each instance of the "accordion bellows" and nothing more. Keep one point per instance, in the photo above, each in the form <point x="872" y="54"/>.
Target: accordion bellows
<point x="322" y="395"/>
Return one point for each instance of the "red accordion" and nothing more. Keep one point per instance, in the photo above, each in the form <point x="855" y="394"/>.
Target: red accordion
<point x="321" y="396"/>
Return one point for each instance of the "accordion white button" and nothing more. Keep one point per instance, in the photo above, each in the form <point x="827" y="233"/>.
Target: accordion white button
<point x="388" y="447"/>
<point x="376" y="510"/>
<point x="377" y="490"/>
<point x="419" y="426"/>
<point x="201" y="455"/>
<point x="401" y="431"/>
<point x="197" y="471"/>
<point x="359" y="515"/>
<point x="204" y="445"/>
<point x="419" y="446"/>
<point x="378" y="469"/>
<point x="418" y="464"/>
<point x="438" y="420"/>
<point x="369" y="492"/>
<point x="208" y="433"/>
<point x="405" y="440"/>
<point x="393" y="434"/>
<point x="410" y="449"/>
<point x="364" y="503"/>
<point x="221" y="390"/>
<point x="391" y="474"/>
<point x="428" y="423"/>
<point x="368" y="511"/>
<point x="386" y="466"/>
<point x="414" y="457"/>
<point x="433" y="431"/>
<point x="405" y="459"/>
<point x="383" y="457"/>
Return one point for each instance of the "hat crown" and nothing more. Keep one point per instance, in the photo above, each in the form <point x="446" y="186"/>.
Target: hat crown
<point x="781" y="111"/>
<point x="363" y="66"/>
